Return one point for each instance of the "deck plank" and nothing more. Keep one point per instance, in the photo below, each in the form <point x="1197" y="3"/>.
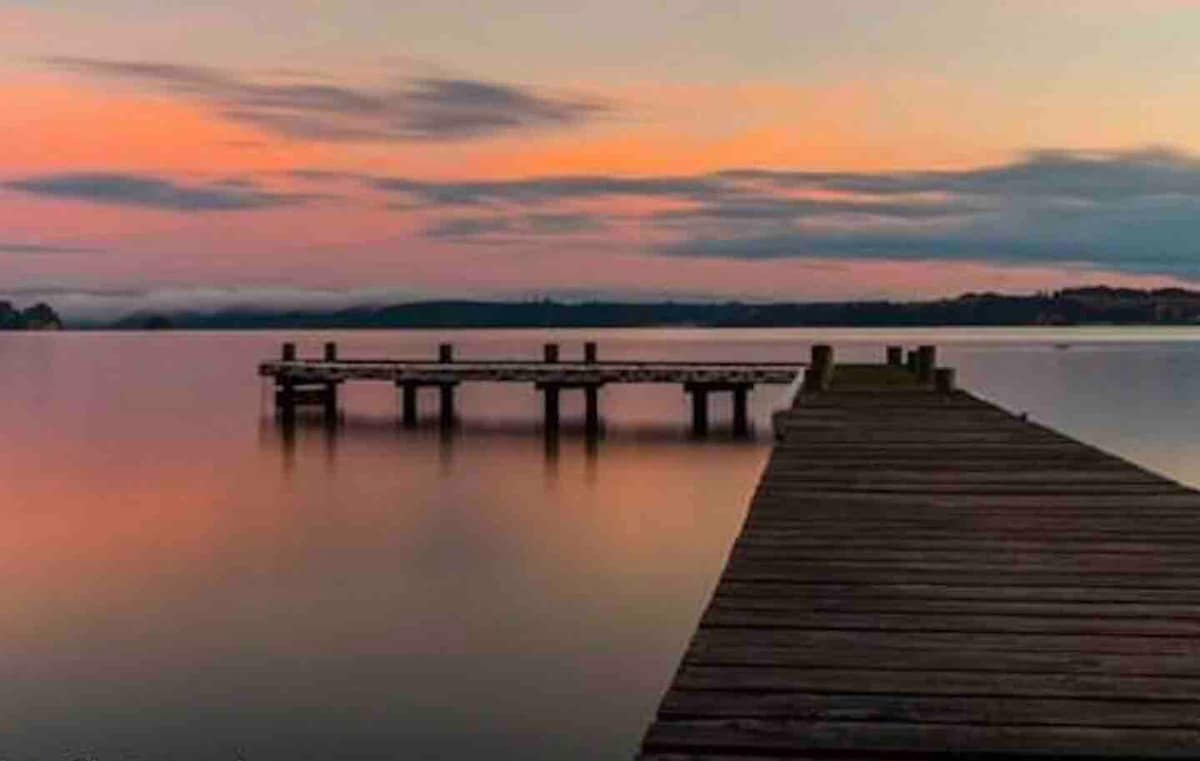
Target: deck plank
<point x="925" y="575"/>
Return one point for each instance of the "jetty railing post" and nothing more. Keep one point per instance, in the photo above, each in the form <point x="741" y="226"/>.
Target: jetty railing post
<point x="910" y="361"/>
<point x="445" y="353"/>
<point x="926" y="363"/>
<point x="590" y="352"/>
<point x="741" y="420"/>
<point x="895" y="356"/>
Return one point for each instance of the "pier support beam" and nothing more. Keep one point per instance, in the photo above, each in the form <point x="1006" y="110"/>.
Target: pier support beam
<point x="331" y="388"/>
<point x="408" y="403"/>
<point x="447" y="404"/>
<point x="550" y="397"/>
<point x="741" y="418"/>
<point x="591" y="409"/>
<point x="699" y="409"/>
<point x="285" y="388"/>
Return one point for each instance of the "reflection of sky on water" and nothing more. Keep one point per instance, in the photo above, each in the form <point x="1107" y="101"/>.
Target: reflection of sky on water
<point x="185" y="581"/>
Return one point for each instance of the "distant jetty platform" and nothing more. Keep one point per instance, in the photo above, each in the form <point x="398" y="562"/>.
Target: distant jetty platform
<point x="314" y="382"/>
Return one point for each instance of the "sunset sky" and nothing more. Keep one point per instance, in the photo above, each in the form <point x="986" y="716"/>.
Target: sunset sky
<point x="160" y="153"/>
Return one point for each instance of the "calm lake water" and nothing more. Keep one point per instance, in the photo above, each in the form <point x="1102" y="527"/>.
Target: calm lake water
<point x="183" y="581"/>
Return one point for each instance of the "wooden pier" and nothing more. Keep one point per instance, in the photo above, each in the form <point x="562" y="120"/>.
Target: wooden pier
<point x="923" y="575"/>
<point x="315" y="382"/>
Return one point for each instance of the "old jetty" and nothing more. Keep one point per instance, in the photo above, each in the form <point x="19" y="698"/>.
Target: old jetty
<point x="924" y="575"/>
<point x="314" y="382"/>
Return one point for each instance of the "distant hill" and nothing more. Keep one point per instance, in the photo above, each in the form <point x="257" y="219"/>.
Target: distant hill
<point x="36" y="317"/>
<point x="1079" y="306"/>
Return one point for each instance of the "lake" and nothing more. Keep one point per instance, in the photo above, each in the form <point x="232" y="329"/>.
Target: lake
<point x="185" y="580"/>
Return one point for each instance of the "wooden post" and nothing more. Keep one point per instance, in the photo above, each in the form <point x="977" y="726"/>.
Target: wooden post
<point x="331" y="388"/>
<point x="589" y="352"/>
<point x="926" y="363"/>
<point x="591" y="404"/>
<point x="445" y="353"/>
<point x="895" y="356"/>
<point x="550" y="393"/>
<point x="741" y="420"/>
<point x="910" y="361"/>
<point x="447" y="410"/>
<point x="285" y="389"/>
<point x="820" y="369"/>
<point x="550" y="353"/>
<point x="944" y="379"/>
<point x="408" y="391"/>
<point x="699" y="409"/>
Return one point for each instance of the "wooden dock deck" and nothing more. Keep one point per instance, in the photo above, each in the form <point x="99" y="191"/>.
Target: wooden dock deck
<point x="924" y="575"/>
<point x="315" y="381"/>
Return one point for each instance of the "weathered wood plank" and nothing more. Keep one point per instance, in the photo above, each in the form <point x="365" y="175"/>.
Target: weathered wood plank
<point x="924" y="575"/>
<point x="782" y="735"/>
<point x="956" y="709"/>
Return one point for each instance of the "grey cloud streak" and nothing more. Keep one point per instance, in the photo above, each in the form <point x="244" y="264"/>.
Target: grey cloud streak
<point x="311" y="108"/>
<point x="150" y="191"/>
<point x="1135" y="211"/>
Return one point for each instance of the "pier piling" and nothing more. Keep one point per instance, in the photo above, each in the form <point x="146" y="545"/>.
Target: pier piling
<point x="307" y="382"/>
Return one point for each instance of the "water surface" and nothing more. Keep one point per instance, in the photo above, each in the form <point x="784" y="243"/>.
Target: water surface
<point x="183" y="580"/>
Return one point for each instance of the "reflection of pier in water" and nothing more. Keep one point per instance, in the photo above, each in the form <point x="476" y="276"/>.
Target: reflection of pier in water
<point x="315" y="382"/>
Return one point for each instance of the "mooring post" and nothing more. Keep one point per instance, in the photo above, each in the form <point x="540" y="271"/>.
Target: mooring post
<point x="445" y="353"/>
<point x="550" y="353"/>
<point x="289" y="352"/>
<point x="895" y="356"/>
<point x="741" y="420"/>
<point x="590" y="352"/>
<point x="926" y="363"/>
<point x="944" y="379"/>
<point x="408" y="402"/>
<point x="910" y="361"/>
<point x="820" y="369"/>
<point x="699" y="409"/>
<point x="447" y="410"/>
